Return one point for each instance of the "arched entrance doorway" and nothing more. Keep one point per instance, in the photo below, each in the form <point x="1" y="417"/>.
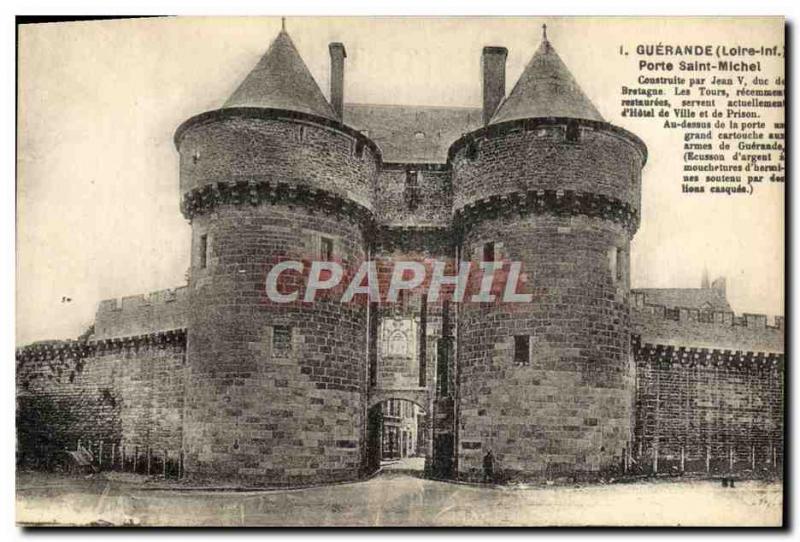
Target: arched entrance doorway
<point x="398" y="435"/>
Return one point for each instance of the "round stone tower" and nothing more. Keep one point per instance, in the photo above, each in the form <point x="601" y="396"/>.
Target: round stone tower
<point x="275" y="393"/>
<point x="547" y="386"/>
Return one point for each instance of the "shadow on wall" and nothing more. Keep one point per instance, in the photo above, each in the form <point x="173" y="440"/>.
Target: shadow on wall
<point x="43" y="433"/>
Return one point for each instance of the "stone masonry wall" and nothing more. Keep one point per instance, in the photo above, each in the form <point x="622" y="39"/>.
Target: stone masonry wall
<point x="707" y="410"/>
<point x="538" y="158"/>
<point x="296" y="153"/>
<point x="124" y="392"/>
<point x="430" y="205"/>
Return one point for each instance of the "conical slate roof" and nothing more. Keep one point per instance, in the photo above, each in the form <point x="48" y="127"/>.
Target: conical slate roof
<point x="546" y="89"/>
<point x="281" y="80"/>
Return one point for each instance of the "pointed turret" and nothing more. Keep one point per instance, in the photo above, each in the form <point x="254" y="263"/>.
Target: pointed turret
<point x="546" y="89"/>
<point x="281" y="80"/>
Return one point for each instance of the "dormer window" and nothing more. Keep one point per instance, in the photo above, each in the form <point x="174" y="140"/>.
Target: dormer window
<point x="359" y="150"/>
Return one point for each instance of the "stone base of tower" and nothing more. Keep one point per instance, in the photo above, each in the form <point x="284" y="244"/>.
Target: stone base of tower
<point x="259" y="430"/>
<point x="275" y="392"/>
<point x="548" y="385"/>
<point x="558" y="429"/>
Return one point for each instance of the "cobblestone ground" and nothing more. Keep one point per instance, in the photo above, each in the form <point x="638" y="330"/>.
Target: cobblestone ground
<point x="396" y="498"/>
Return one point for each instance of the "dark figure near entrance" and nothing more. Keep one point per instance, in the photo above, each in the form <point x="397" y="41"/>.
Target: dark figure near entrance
<point x="488" y="467"/>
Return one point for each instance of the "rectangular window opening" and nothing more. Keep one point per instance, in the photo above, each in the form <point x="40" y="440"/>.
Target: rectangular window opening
<point x="326" y="249"/>
<point x="472" y="150"/>
<point x="203" y="251"/>
<point x="620" y="264"/>
<point x="444" y="346"/>
<point x="573" y="132"/>
<point x="488" y="252"/>
<point x="281" y="340"/>
<point x="412" y="189"/>
<point x="613" y="264"/>
<point x="522" y="350"/>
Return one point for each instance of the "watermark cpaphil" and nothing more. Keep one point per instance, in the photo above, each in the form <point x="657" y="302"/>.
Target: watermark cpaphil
<point x="290" y="281"/>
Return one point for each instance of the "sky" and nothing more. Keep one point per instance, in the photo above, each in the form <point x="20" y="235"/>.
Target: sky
<point x="97" y="173"/>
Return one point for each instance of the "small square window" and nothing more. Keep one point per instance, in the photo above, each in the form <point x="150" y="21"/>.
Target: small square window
<point x="522" y="350"/>
<point x="488" y="252"/>
<point x="202" y="250"/>
<point x="281" y="340"/>
<point x="326" y="249"/>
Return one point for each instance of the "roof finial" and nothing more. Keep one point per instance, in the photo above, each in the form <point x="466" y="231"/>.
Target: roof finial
<point x="544" y="32"/>
<point x="283" y="24"/>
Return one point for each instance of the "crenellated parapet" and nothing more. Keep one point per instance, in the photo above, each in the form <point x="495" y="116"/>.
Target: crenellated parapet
<point x="562" y="203"/>
<point x="64" y="359"/>
<point x="76" y="350"/>
<point x="132" y="302"/>
<point x="687" y="356"/>
<point x="685" y="326"/>
<point x="141" y="314"/>
<point x="208" y="197"/>
<point x="726" y="318"/>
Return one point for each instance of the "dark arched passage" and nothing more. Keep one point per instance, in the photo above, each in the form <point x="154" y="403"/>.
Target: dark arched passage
<point x="398" y="429"/>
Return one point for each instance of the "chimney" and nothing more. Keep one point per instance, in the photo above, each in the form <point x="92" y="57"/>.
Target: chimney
<point x="704" y="281"/>
<point x="338" y="54"/>
<point x="493" y="73"/>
